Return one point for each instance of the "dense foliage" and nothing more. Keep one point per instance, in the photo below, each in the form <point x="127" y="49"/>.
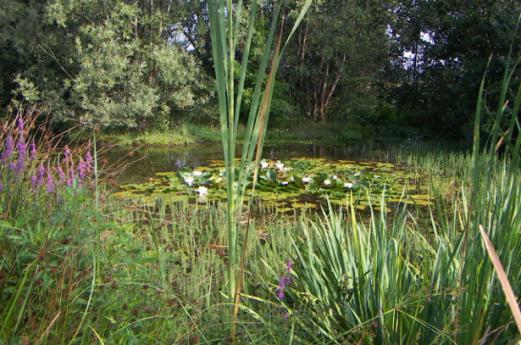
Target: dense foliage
<point x="148" y="63"/>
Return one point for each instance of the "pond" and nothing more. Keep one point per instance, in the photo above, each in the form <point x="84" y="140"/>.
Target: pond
<point x="291" y="176"/>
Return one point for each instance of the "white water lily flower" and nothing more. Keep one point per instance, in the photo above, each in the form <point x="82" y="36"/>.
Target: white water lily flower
<point x="197" y="173"/>
<point x="264" y="164"/>
<point x="306" y="179"/>
<point x="279" y="165"/>
<point x="202" y="191"/>
<point x="327" y="182"/>
<point x="348" y="185"/>
<point x="189" y="180"/>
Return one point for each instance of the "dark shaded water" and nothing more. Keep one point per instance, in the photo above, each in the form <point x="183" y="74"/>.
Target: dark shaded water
<point x="135" y="165"/>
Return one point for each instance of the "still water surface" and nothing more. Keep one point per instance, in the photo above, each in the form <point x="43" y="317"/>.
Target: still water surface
<point x="143" y="162"/>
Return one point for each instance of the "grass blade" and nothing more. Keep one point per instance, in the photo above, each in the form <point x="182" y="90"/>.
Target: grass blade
<point x="503" y="279"/>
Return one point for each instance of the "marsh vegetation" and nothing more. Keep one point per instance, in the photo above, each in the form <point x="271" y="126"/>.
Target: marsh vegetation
<point x="224" y="229"/>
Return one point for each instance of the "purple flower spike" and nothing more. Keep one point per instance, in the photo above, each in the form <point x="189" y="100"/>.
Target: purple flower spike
<point x="67" y="153"/>
<point x="70" y="178"/>
<point x="40" y="175"/>
<point x="8" y="151"/>
<point x="61" y="174"/>
<point x="21" y="147"/>
<point x="289" y="266"/>
<point x="284" y="281"/>
<point x="82" y="169"/>
<point x="32" y="151"/>
<point x="89" y="161"/>
<point x="1" y="187"/>
<point x="19" y="166"/>
<point x="21" y="125"/>
<point x="33" y="182"/>
<point x="50" y="182"/>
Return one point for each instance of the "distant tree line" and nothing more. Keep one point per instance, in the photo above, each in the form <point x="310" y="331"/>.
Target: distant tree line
<point x="148" y="64"/>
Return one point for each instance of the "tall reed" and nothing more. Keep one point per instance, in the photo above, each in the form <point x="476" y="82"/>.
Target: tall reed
<point x="403" y="279"/>
<point x="225" y="19"/>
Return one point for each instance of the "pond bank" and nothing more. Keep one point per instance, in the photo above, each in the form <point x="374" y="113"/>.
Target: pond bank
<point x="302" y="133"/>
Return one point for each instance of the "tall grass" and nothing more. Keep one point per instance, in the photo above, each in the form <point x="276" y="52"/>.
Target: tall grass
<point x="401" y="280"/>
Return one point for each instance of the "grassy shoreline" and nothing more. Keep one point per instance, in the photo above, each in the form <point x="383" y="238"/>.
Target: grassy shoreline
<point x="308" y="133"/>
<point x="155" y="274"/>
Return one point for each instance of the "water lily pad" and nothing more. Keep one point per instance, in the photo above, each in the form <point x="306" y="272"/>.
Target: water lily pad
<point x="300" y="183"/>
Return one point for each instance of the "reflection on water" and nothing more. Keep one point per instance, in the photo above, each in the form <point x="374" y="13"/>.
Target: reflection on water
<point x="144" y="162"/>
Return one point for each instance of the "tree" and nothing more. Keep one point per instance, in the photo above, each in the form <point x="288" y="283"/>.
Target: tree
<point x="337" y="53"/>
<point x="118" y="63"/>
<point x="441" y="50"/>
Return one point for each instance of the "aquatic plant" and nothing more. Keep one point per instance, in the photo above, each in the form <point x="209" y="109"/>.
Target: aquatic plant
<point x="224" y="31"/>
<point x="402" y="280"/>
<point x="300" y="183"/>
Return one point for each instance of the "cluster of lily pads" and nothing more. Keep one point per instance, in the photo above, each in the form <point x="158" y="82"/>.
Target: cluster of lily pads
<point x="296" y="183"/>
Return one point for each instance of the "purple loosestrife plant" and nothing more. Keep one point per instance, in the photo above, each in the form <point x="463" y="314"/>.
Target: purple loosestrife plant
<point x="61" y="174"/>
<point x="40" y="175"/>
<point x="34" y="180"/>
<point x="50" y="181"/>
<point x="89" y="160"/>
<point x="82" y="169"/>
<point x="32" y="151"/>
<point x="284" y="281"/>
<point x="21" y="125"/>
<point x="8" y="150"/>
<point x="21" y="147"/>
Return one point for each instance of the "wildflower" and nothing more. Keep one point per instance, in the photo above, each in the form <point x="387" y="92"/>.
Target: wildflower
<point x="20" y="124"/>
<point x="1" y="187"/>
<point x="50" y="182"/>
<point x="264" y="164"/>
<point x="189" y="180"/>
<point x="70" y="178"/>
<point x="61" y="174"/>
<point x="21" y="147"/>
<point x="40" y="175"/>
<point x="289" y="266"/>
<point x="279" y="165"/>
<point x="327" y="182"/>
<point x="89" y="160"/>
<point x="284" y="281"/>
<point x="19" y="166"/>
<point x="335" y="177"/>
<point x="8" y="151"/>
<point x="33" y="182"/>
<point x="82" y="169"/>
<point x="32" y="151"/>
<point x="306" y="179"/>
<point x="348" y="185"/>
<point x="284" y="183"/>
<point x="197" y="173"/>
<point x="67" y="153"/>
